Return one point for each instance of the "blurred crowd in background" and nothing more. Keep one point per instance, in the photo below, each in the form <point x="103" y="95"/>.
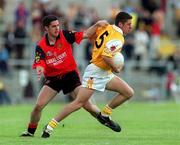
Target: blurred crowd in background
<point x="152" y="48"/>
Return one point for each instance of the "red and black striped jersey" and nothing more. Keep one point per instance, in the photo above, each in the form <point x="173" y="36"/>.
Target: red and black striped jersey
<point x="58" y="58"/>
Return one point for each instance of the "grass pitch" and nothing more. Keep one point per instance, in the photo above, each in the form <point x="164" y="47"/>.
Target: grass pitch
<point x="142" y="124"/>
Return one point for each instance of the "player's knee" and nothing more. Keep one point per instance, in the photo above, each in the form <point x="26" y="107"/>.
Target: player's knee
<point x="87" y="106"/>
<point x="130" y="93"/>
<point x="79" y="105"/>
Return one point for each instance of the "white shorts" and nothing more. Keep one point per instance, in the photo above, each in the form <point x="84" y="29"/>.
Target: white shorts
<point x="96" y="78"/>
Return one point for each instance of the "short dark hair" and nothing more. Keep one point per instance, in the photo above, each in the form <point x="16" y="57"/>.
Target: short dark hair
<point x="122" y="17"/>
<point x="48" y="19"/>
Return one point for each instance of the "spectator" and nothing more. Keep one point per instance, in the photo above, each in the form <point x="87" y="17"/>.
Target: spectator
<point x="176" y="5"/>
<point x="2" y="4"/>
<point x="21" y="13"/>
<point x="141" y="40"/>
<point x="20" y="35"/>
<point x="36" y="33"/>
<point x="36" y="14"/>
<point x="9" y="38"/>
<point x="71" y="12"/>
<point x="174" y="59"/>
<point x="149" y="5"/>
<point x="79" y="20"/>
<point x="114" y="9"/>
<point x="4" y="98"/>
<point x="4" y="56"/>
<point x="170" y="79"/>
<point x="45" y="7"/>
<point x="128" y="48"/>
<point x="156" y="28"/>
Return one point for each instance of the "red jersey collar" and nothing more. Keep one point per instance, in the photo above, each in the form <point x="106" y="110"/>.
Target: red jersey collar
<point x="47" y="41"/>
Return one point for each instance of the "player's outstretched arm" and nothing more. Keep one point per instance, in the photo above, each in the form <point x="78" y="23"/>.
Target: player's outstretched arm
<point x="91" y="30"/>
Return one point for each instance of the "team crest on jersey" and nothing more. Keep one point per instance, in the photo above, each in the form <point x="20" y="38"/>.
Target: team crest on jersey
<point x="37" y="57"/>
<point x="90" y="82"/>
<point x="49" y="53"/>
<point x="59" y="45"/>
<point x="113" y="46"/>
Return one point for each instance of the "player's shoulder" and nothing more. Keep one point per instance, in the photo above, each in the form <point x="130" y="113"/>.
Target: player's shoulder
<point x="109" y="27"/>
<point x="114" y="39"/>
<point x="114" y="42"/>
<point x="109" y="31"/>
<point x="100" y="29"/>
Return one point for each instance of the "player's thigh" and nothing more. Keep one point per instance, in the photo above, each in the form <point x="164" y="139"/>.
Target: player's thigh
<point x="84" y="95"/>
<point x="46" y="94"/>
<point x="75" y="92"/>
<point x="118" y="85"/>
<point x="86" y="105"/>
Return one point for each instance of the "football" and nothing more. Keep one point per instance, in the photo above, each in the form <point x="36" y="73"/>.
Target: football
<point x="118" y="60"/>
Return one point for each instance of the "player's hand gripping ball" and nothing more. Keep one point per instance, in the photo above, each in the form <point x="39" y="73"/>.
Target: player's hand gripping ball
<point x="118" y="60"/>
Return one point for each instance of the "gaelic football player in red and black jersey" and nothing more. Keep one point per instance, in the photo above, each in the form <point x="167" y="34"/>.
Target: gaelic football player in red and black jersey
<point x="54" y="59"/>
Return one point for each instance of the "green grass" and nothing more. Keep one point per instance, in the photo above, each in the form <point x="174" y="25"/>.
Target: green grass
<point x="142" y="124"/>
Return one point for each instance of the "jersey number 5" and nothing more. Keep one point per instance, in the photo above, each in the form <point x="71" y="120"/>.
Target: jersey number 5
<point x="102" y="39"/>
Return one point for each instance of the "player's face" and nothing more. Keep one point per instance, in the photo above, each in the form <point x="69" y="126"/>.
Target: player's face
<point x="127" y="27"/>
<point x="53" y="29"/>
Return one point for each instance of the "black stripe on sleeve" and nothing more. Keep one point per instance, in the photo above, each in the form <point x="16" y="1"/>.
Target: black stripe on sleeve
<point x="69" y="35"/>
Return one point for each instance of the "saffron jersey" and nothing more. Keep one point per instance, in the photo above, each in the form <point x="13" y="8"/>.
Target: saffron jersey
<point x="107" y="43"/>
<point x="57" y="59"/>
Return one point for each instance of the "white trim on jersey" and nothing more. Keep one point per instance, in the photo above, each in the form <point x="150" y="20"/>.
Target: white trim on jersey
<point x="117" y="29"/>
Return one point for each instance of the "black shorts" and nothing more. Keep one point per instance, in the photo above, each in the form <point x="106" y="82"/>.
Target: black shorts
<point x="66" y="82"/>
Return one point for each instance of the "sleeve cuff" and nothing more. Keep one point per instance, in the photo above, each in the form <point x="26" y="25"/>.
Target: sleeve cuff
<point x="40" y="63"/>
<point x="79" y="37"/>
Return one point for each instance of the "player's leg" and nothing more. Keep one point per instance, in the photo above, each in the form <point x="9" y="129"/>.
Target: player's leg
<point x="83" y="96"/>
<point x="124" y="91"/>
<point x="106" y="121"/>
<point x="45" y="96"/>
<point x="97" y="83"/>
<point x="89" y="106"/>
<point x="81" y="99"/>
